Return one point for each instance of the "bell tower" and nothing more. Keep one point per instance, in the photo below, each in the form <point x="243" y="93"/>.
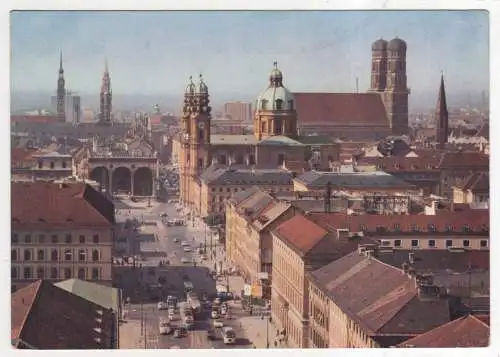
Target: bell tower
<point x="61" y="93"/>
<point x="395" y="95"/>
<point x="195" y="137"/>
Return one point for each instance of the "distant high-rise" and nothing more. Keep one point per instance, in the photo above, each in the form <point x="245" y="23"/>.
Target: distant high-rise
<point x="106" y="97"/>
<point x="61" y="92"/>
<point x="441" y="117"/>
<point x="239" y="110"/>
<point x="72" y="107"/>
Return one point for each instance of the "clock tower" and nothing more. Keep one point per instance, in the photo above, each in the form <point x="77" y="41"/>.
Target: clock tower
<point x="195" y="137"/>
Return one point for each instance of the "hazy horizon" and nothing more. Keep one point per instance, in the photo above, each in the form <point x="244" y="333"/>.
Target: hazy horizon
<point x="153" y="53"/>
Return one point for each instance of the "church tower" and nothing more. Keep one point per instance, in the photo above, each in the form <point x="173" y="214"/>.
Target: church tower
<point x="275" y="110"/>
<point x="196" y="120"/>
<point x="379" y="66"/>
<point x="106" y="97"/>
<point x="441" y="116"/>
<point x="395" y="93"/>
<point x="61" y="93"/>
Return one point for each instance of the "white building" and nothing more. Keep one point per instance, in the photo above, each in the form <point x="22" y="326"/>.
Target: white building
<point x="72" y="107"/>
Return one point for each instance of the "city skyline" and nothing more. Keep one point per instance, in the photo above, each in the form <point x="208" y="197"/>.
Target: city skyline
<point x="233" y="59"/>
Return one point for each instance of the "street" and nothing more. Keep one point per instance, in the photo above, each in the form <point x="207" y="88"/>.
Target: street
<point x="148" y="282"/>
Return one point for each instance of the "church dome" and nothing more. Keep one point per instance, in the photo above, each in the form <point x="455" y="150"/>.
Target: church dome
<point x="202" y="88"/>
<point x="379" y="45"/>
<point x="396" y="44"/>
<point x="190" y="89"/>
<point x="276" y="96"/>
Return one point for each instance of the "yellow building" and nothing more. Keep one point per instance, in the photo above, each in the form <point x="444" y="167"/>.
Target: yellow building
<point x="300" y="246"/>
<point x="67" y="234"/>
<point x="359" y="302"/>
<point x="475" y="189"/>
<point x="250" y="217"/>
<point x="219" y="183"/>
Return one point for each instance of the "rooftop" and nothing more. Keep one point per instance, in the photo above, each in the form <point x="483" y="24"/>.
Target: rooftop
<point x="280" y="140"/>
<point x="475" y="160"/>
<point x="378" y="297"/>
<point x="301" y="233"/>
<point x="340" y="109"/>
<point x="352" y="180"/>
<point x="103" y="296"/>
<point x="467" y="331"/>
<point x="65" y="204"/>
<point x="477" y="182"/>
<point x="470" y="222"/>
<point x="223" y="175"/>
<point x="218" y="139"/>
<point x="47" y="317"/>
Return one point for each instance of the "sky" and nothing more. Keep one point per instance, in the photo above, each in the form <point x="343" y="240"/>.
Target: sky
<point x="156" y="52"/>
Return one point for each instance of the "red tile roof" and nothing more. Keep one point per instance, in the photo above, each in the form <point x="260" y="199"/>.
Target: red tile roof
<point x="467" y="331"/>
<point x="301" y="233"/>
<point x="472" y="160"/>
<point x="340" y="109"/>
<point x="41" y="204"/>
<point x="477" y="221"/>
<point x="34" y="118"/>
<point x="45" y="316"/>
<point x="398" y="163"/>
<point x="20" y="156"/>
<point x="476" y="182"/>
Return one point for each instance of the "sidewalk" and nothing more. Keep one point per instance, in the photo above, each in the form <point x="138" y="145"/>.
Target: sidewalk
<point x="130" y="335"/>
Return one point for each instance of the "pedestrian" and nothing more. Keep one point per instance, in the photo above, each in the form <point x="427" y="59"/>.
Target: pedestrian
<point x="275" y="343"/>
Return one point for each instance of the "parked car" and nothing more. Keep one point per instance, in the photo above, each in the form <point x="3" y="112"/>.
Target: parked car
<point x="185" y="244"/>
<point x="229" y="336"/>
<point x="176" y="240"/>
<point x="215" y="314"/>
<point x="184" y="260"/>
<point x="218" y="324"/>
<point x="162" y="305"/>
<point x="171" y="315"/>
<point x="180" y="332"/>
<point x="165" y="328"/>
<point x="211" y="335"/>
<point x="187" y="249"/>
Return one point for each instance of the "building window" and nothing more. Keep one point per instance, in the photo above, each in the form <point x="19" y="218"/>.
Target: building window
<point x="40" y="164"/>
<point x="95" y="255"/>
<point x="397" y="243"/>
<point x="52" y="164"/>
<point x="67" y="254"/>
<point x="82" y="239"/>
<point x="414" y="243"/>
<point x="449" y="243"/>
<point x="432" y="243"/>
<point x="228" y="189"/>
<point x="67" y="273"/>
<point x="95" y="274"/>
<point x="27" y="238"/>
<point x="81" y="255"/>
<point x="53" y="273"/>
<point x="40" y="255"/>
<point x="466" y="243"/>
<point x="415" y="228"/>
<point x="64" y="165"/>
<point x="81" y="274"/>
<point x="13" y="255"/>
<point x="54" y="255"/>
<point x="69" y="238"/>
<point x="40" y="273"/>
<point x="27" y="255"/>
<point x="41" y="238"/>
<point x="431" y="227"/>
<point x="251" y="159"/>
<point x="13" y="273"/>
<point x="279" y="104"/>
<point x="222" y="159"/>
<point x="95" y="238"/>
<point x="263" y="124"/>
<point x="28" y="273"/>
<point x="14" y="237"/>
<point x="213" y="190"/>
<point x="54" y="238"/>
<point x="483" y="243"/>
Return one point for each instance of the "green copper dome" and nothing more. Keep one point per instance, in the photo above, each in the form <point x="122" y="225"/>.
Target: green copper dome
<point x="276" y="97"/>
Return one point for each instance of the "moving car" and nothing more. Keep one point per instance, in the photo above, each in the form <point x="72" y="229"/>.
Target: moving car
<point x="215" y="314"/>
<point x="165" y="328"/>
<point x="218" y="324"/>
<point x="171" y="315"/>
<point x="229" y="335"/>
<point x="187" y="249"/>
<point x="185" y="244"/>
<point x="180" y="332"/>
<point x="211" y="335"/>
<point x="176" y="240"/>
<point x="162" y="305"/>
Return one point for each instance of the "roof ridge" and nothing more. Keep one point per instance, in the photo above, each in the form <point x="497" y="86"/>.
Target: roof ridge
<point x="28" y="313"/>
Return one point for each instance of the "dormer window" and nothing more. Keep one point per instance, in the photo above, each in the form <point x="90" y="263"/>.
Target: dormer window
<point x="449" y="228"/>
<point x="466" y="228"/>
<point x="431" y="227"/>
<point x="362" y="227"/>
<point x="279" y="104"/>
<point x="263" y="103"/>
<point x="415" y="228"/>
